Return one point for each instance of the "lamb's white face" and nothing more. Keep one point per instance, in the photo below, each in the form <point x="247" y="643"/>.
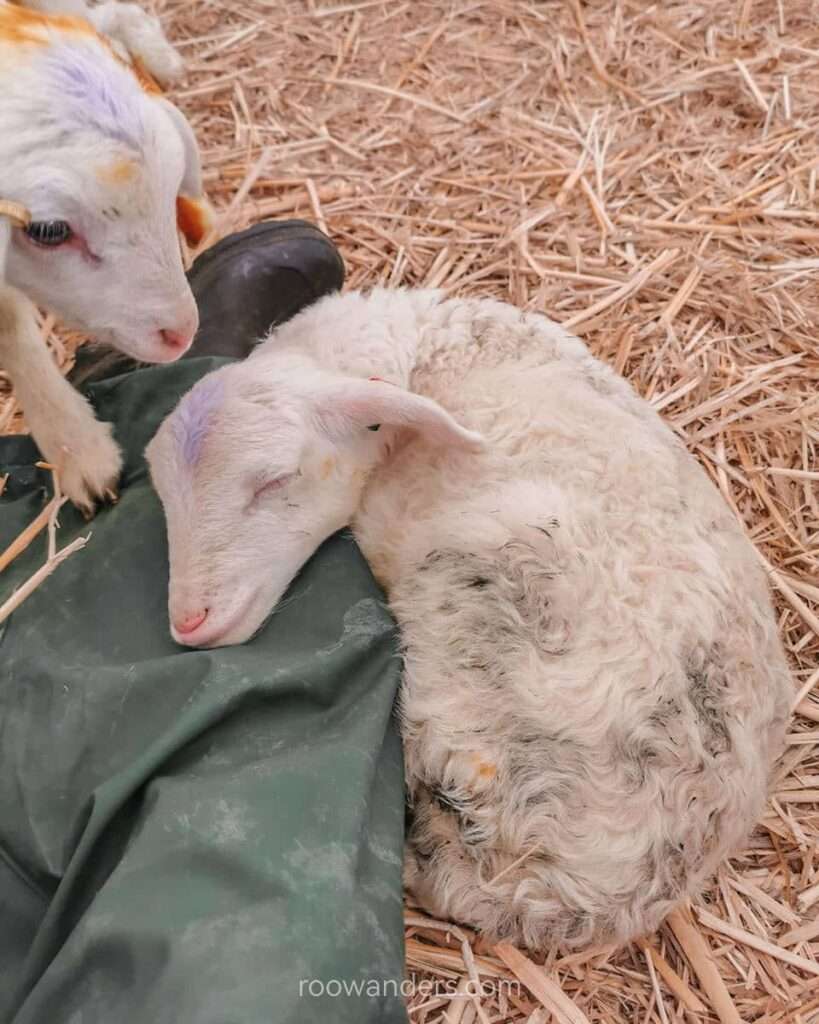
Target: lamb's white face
<point x="251" y="485"/>
<point x="256" y="467"/>
<point x="100" y="166"/>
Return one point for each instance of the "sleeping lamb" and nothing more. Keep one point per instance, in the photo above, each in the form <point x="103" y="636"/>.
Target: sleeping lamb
<point x="95" y="175"/>
<point x="594" y="688"/>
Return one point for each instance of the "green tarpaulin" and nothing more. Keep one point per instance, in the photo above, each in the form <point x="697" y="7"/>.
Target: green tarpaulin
<point x="191" y="836"/>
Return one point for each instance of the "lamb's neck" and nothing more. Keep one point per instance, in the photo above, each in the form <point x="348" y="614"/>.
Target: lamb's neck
<point x="386" y="362"/>
<point x="376" y="338"/>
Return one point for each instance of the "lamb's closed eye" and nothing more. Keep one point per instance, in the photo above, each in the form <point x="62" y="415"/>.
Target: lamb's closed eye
<point x="272" y="486"/>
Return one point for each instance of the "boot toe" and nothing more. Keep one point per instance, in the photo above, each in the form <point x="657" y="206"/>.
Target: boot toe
<point x="250" y="282"/>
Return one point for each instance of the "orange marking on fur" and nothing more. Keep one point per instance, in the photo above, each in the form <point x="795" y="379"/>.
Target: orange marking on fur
<point x="18" y="25"/>
<point x="120" y="172"/>
<point x="145" y="79"/>
<point x="327" y="468"/>
<point x="194" y="219"/>
<point x="483" y="768"/>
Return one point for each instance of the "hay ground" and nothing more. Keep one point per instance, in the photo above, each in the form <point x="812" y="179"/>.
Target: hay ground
<point x="646" y="174"/>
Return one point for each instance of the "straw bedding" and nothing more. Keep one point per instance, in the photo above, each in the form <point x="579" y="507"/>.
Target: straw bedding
<point x="645" y="173"/>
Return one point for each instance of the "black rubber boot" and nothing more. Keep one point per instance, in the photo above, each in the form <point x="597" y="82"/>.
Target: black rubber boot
<point x="244" y="285"/>
<point x="257" y="279"/>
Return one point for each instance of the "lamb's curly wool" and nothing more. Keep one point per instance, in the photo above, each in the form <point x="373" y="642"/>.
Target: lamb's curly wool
<point x="594" y="687"/>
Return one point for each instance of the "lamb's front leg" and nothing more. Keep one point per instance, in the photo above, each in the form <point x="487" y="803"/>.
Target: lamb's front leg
<point x="61" y="420"/>
<point x="138" y="33"/>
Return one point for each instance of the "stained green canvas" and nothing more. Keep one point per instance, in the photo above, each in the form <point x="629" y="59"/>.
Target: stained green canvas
<point x="210" y="837"/>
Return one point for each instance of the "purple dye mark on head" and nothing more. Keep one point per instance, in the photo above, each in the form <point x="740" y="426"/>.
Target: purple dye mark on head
<point x="193" y="415"/>
<point x="99" y="93"/>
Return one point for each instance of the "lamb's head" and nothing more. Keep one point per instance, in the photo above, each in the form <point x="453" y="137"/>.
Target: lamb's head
<point x="102" y="166"/>
<point x="257" y="465"/>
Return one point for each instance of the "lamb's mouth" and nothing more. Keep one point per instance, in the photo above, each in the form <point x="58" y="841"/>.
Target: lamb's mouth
<point x="210" y="635"/>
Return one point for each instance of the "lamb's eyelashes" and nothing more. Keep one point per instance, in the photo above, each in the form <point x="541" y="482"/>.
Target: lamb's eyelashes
<point x="49" y="234"/>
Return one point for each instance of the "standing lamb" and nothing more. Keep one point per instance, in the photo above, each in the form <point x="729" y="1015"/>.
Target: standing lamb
<point x="95" y="174"/>
<point x="594" y="688"/>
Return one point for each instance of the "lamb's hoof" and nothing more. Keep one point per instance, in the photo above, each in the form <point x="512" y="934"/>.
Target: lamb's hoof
<point x="94" y="498"/>
<point x="89" y="465"/>
<point x="89" y="509"/>
<point x="109" y="497"/>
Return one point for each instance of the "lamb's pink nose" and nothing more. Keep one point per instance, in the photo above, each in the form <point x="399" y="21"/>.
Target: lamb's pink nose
<point x="192" y="623"/>
<point x="177" y="340"/>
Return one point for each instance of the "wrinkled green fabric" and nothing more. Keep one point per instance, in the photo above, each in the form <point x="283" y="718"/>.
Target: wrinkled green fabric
<point x="191" y="836"/>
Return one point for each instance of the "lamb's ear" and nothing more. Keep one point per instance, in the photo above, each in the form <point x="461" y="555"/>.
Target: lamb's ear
<point x="192" y="178"/>
<point x="194" y="218"/>
<point x="193" y="212"/>
<point x="350" y="406"/>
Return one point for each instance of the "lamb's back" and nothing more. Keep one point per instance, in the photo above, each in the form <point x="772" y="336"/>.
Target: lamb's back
<point x="592" y="667"/>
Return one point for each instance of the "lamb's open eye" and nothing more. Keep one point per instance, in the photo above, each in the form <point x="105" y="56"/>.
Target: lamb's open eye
<point x="50" y="233"/>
